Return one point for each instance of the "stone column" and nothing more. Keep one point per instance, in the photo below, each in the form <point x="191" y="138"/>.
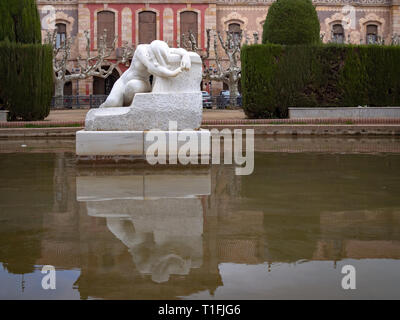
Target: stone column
<point x="395" y="15"/>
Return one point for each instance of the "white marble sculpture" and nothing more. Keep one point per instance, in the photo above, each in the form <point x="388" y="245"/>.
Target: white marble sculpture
<point x="174" y="95"/>
<point x="149" y="59"/>
<point x="134" y="108"/>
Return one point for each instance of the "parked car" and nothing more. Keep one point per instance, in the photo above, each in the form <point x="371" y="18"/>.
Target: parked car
<point x="223" y="100"/>
<point x="207" y="102"/>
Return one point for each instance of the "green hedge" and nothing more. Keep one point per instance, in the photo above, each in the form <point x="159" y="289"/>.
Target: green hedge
<point x="276" y="77"/>
<point x="20" y="21"/>
<point x="26" y="80"/>
<point x="26" y="75"/>
<point x="291" y="22"/>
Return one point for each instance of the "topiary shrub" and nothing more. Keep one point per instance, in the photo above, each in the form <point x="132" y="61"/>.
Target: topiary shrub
<point x="26" y="80"/>
<point x="20" y="21"/>
<point x="291" y="22"/>
<point x="26" y="75"/>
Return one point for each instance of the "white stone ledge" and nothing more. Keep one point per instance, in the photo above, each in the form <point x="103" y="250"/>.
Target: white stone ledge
<point x="113" y="143"/>
<point x="137" y="143"/>
<point x="345" y="112"/>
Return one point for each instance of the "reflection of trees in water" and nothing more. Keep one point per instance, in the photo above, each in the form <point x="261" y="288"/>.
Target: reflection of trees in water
<point x="60" y="244"/>
<point x="290" y="237"/>
<point x="293" y="207"/>
<point x="314" y="203"/>
<point x="26" y="195"/>
<point x="225" y="188"/>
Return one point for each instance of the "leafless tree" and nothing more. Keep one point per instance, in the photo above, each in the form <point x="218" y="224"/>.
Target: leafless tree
<point x="228" y="73"/>
<point x="90" y="66"/>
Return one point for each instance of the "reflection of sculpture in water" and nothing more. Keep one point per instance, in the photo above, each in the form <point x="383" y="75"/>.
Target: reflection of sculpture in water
<point x="149" y="59"/>
<point x="157" y="216"/>
<point x="161" y="246"/>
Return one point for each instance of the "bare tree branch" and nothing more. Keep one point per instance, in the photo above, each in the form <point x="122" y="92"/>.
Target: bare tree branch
<point x="230" y="72"/>
<point x="89" y="66"/>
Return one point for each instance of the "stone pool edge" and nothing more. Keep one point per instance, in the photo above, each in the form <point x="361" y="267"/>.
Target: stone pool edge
<point x="259" y="129"/>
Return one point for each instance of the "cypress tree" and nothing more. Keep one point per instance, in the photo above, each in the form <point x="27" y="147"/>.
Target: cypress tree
<point x="20" y="21"/>
<point x="26" y="73"/>
<point x="7" y="31"/>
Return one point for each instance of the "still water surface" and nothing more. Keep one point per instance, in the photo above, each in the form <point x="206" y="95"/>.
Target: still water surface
<point x="286" y="231"/>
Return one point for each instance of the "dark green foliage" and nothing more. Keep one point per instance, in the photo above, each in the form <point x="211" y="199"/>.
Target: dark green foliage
<point x="26" y="80"/>
<point x="276" y="77"/>
<point x="291" y="22"/>
<point x="26" y="73"/>
<point x="6" y="23"/>
<point x="20" y="21"/>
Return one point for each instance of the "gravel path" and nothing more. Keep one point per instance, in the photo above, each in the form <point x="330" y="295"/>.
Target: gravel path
<point x="79" y="115"/>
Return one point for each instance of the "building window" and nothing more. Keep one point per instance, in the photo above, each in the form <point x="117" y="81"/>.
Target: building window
<point x="147" y="26"/>
<point x="372" y="34"/>
<point x="61" y="34"/>
<point x="68" y="88"/>
<point x="106" y="21"/>
<point x="103" y="86"/>
<point x="234" y="28"/>
<point x="337" y="33"/>
<point x="189" y="23"/>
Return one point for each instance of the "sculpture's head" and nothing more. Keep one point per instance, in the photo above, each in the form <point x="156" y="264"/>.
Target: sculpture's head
<point x="161" y="51"/>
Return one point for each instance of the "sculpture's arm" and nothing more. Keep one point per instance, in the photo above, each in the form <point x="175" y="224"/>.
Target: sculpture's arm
<point x="156" y="69"/>
<point x="185" y="62"/>
<point x="179" y="51"/>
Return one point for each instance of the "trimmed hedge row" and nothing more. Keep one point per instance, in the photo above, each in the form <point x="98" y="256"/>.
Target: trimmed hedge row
<point x="276" y="77"/>
<point x="26" y="80"/>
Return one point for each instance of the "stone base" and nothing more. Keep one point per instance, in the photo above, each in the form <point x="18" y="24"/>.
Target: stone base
<point x="150" y="111"/>
<point x="137" y="144"/>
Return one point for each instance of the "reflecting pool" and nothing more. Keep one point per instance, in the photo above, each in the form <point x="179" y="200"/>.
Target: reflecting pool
<point x="312" y="206"/>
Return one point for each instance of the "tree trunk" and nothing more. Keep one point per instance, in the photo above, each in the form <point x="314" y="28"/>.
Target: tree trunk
<point x="59" y="92"/>
<point x="233" y="92"/>
<point x="59" y="87"/>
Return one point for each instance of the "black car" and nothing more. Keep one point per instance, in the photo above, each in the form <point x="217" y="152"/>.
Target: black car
<point x="223" y="100"/>
<point x="207" y="102"/>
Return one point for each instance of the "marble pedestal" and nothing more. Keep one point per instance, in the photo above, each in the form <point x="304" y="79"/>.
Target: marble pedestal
<point x="92" y="145"/>
<point x="150" y="111"/>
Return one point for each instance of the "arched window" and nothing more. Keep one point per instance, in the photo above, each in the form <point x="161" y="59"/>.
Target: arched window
<point x="372" y="33"/>
<point x="234" y="28"/>
<point x="61" y="34"/>
<point x="147" y="27"/>
<point x="337" y="33"/>
<point x="189" y="23"/>
<point x="106" y="21"/>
